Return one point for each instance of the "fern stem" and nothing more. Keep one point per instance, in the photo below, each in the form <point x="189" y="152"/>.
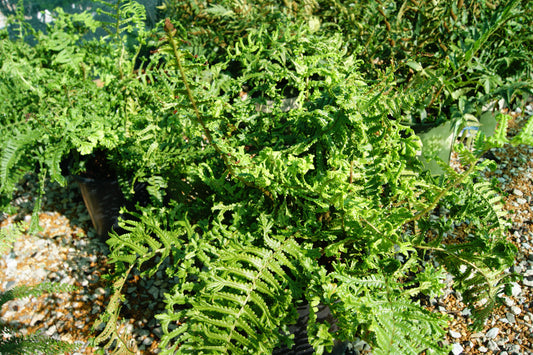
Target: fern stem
<point x="442" y="194"/>
<point x="169" y="28"/>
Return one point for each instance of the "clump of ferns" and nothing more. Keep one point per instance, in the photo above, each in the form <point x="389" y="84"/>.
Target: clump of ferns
<point x="308" y="222"/>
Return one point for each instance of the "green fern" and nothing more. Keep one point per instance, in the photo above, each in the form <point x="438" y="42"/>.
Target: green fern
<point x="247" y="296"/>
<point x="14" y="344"/>
<point x="127" y="17"/>
<point x="111" y="335"/>
<point x="9" y="235"/>
<point x="381" y="305"/>
<point x="12" y="154"/>
<point x="37" y="290"/>
<point x="479" y="278"/>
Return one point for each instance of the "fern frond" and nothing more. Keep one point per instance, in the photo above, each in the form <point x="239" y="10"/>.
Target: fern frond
<point x="12" y="154"/>
<point x="11" y="343"/>
<point x="395" y="324"/>
<point x="478" y="283"/>
<point x="144" y="238"/>
<point x="24" y="291"/>
<point x="8" y="235"/>
<point x="485" y="205"/>
<point x="244" y="300"/>
<point x="127" y="15"/>
<point x="525" y="136"/>
<point x="110" y="335"/>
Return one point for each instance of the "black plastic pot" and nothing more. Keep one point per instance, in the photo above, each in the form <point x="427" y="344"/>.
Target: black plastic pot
<point x="103" y="200"/>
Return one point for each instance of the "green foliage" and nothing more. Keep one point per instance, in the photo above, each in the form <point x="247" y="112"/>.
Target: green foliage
<point x="279" y="157"/>
<point x="245" y="298"/>
<point x="456" y="55"/>
<point x="112" y="337"/>
<point x="334" y="178"/>
<point x="33" y="344"/>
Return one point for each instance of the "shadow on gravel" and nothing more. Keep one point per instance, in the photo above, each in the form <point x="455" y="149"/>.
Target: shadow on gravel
<point x="67" y="229"/>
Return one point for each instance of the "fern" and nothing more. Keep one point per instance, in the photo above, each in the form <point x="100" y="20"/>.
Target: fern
<point x="12" y="154"/>
<point x="37" y="290"/>
<point x="14" y="344"/>
<point x="127" y="17"/>
<point x="247" y="295"/>
<point x="381" y="305"/>
<point x="114" y="340"/>
<point x="9" y="235"/>
<point x="478" y="283"/>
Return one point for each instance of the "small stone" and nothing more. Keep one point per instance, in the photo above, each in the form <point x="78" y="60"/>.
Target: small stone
<point x="510" y="317"/>
<point x="38" y="317"/>
<point x="482" y="349"/>
<point x="143" y="333"/>
<point x="493" y="346"/>
<point x="528" y="283"/>
<point x="516" y="310"/>
<point x="154" y="291"/>
<point x="158" y="332"/>
<point x="516" y="290"/>
<point x="513" y="348"/>
<point x="509" y="302"/>
<point x="492" y="333"/>
<point x="457" y="349"/>
<point x="466" y="312"/>
<point x="148" y="341"/>
<point x="521" y="201"/>
<point x="518" y="192"/>
<point x="51" y="331"/>
<point x="454" y="334"/>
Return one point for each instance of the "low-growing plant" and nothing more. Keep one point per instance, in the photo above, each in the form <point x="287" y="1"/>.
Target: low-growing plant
<point x="280" y="174"/>
<point x="324" y="203"/>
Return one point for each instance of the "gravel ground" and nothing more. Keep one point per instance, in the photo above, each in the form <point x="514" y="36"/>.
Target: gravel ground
<point x="67" y="250"/>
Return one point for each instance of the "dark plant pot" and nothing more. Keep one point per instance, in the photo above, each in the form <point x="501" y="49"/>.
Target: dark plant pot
<point x="103" y="200"/>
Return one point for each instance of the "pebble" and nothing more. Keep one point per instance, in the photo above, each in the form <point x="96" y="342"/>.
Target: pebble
<point x="521" y="201"/>
<point x="51" y="331"/>
<point x="509" y="302"/>
<point x="457" y="349"/>
<point x="510" y="317"/>
<point x="516" y="310"/>
<point x="517" y="192"/>
<point x="455" y="334"/>
<point x="154" y="291"/>
<point x="492" y="333"/>
<point x="516" y="290"/>
<point x="38" y="317"/>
